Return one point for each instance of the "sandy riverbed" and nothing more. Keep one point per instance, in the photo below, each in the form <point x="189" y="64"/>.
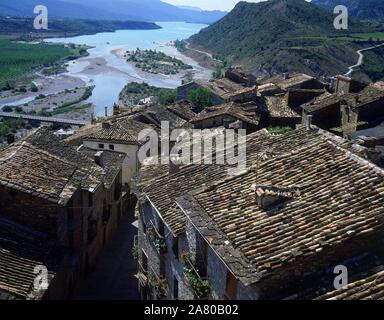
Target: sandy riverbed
<point x="197" y="72"/>
<point x="47" y="85"/>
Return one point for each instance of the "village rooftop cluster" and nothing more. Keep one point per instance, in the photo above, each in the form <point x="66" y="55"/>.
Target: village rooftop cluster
<point x="311" y="196"/>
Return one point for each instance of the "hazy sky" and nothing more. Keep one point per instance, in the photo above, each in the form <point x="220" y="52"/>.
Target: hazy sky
<point x="209" y="4"/>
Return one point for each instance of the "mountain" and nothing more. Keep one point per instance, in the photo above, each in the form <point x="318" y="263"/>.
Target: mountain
<point x="22" y="28"/>
<point x="282" y="36"/>
<point x="362" y="9"/>
<point x="190" y="8"/>
<point x="143" y="10"/>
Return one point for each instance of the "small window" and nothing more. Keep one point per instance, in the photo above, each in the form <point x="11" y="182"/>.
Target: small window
<point x="111" y="147"/>
<point x="175" y="247"/>
<point x="101" y="146"/>
<point x="175" y="288"/>
<point x="231" y="290"/>
<point x="145" y="262"/>
<point x="90" y="200"/>
<point x="144" y="227"/>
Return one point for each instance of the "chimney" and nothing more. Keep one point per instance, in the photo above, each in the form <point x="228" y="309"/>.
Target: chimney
<point x="173" y="167"/>
<point x="92" y="117"/>
<point x="268" y="197"/>
<point x="105" y="125"/>
<point x="10" y="138"/>
<point x="106" y="111"/>
<point x="285" y="76"/>
<point x="98" y="158"/>
<point x="116" y="109"/>
<point x="308" y="122"/>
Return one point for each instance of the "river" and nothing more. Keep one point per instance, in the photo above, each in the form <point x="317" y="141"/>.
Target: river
<point x="110" y="73"/>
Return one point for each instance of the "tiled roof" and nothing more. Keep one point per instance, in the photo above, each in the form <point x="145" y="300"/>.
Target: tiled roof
<point x="368" y="95"/>
<point x="278" y="108"/>
<point x="156" y="115"/>
<point x="37" y="172"/>
<point x="163" y="190"/>
<point x="244" y="90"/>
<point x="43" y="165"/>
<point x="45" y="140"/>
<point x="120" y="129"/>
<point x="21" y="250"/>
<point x="183" y="109"/>
<point x="292" y="80"/>
<point x="369" y="285"/>
<point x="111" y="162"/>
<point x="340" y="199"/>
<point x="223" y="88"/>
<point x="231" y="109"/>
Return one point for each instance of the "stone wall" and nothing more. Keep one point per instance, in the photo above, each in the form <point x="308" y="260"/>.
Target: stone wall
<point x="29" y="210"/>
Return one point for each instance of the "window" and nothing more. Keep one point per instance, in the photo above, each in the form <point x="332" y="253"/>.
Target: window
<point x="349" y="114"/>
<point x="144" y="226"/>
<point x="175" y="288"/>
<point x="145" y="262"/>
<point x="162" y="265"/>
<point x="92" y="228"/>
<point x="101" y="146"/>
<point x="90" y="200"/>
<point x="175" y="247"/>
<point x="204" y="267"/>
<point x="231" y="290"/>
<point x="111" y="147"/>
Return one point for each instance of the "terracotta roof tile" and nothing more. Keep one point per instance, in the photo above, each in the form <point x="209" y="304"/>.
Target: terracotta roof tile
<point x="21" y="250"/>
<point x="340" y="198"/>
<point x="230" y="108"/>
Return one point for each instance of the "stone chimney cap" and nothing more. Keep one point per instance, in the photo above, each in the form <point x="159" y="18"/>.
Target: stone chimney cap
<point x="105" y="125"/>
<point x="98" y="158"/>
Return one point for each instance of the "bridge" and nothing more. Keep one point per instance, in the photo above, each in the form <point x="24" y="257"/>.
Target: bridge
<point x="79" y="123"/>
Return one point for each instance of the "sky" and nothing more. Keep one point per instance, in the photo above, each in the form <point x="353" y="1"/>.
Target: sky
<point x="226" y="5"/>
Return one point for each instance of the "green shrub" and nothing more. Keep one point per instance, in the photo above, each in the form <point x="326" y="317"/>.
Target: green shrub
<point x="200" y="97"/>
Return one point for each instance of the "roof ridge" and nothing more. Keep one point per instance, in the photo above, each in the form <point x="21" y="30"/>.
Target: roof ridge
<point x="352" y="156"/>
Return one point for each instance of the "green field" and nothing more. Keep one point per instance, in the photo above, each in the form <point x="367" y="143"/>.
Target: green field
<point x="16" y="59"/>
<point x="375" y="36"/>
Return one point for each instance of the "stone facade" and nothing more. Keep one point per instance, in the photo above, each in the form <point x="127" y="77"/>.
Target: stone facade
<point x="170" y="267"/>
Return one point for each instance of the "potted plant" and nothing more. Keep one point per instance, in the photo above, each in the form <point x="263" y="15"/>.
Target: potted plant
<point x="201" y="287"/>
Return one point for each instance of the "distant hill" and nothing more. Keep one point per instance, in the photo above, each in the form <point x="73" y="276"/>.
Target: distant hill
<point x="22" y="28"/>
<point x="362" y="9"/>
<point x="142" y="10"/>
<point x="282" y="36"/>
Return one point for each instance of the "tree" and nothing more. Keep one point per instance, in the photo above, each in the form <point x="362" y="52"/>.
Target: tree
<point x="200" y="97"/>
<point x="167" y="96"/>
<point x="34" y="88"/>
<point x="7" y="109"/>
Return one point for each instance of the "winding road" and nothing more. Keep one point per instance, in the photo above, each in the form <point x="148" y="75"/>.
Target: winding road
<point x="202" y="52"/>
<point x="361" y="58"/>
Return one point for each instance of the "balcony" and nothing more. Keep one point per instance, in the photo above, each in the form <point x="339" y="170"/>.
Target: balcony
<point x="157" y="239"/>
<point x="200" y="286"/>
<point x="159" y="285"/>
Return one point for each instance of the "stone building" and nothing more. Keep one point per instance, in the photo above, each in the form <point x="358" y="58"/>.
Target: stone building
<point x="51" y="191"/>
<point x="343" y="85"/>
<point x="272" y="232"/>
<point x="288" y="81"/>
<point x="116" y="134"/>
<point x="229" y="115"/>
<point x="280" y="113"/>
<point x="222" y="91"/>
<point x="183" y="109"/>
<point x="238" y="75"/>
<point x="344" y="114"/>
